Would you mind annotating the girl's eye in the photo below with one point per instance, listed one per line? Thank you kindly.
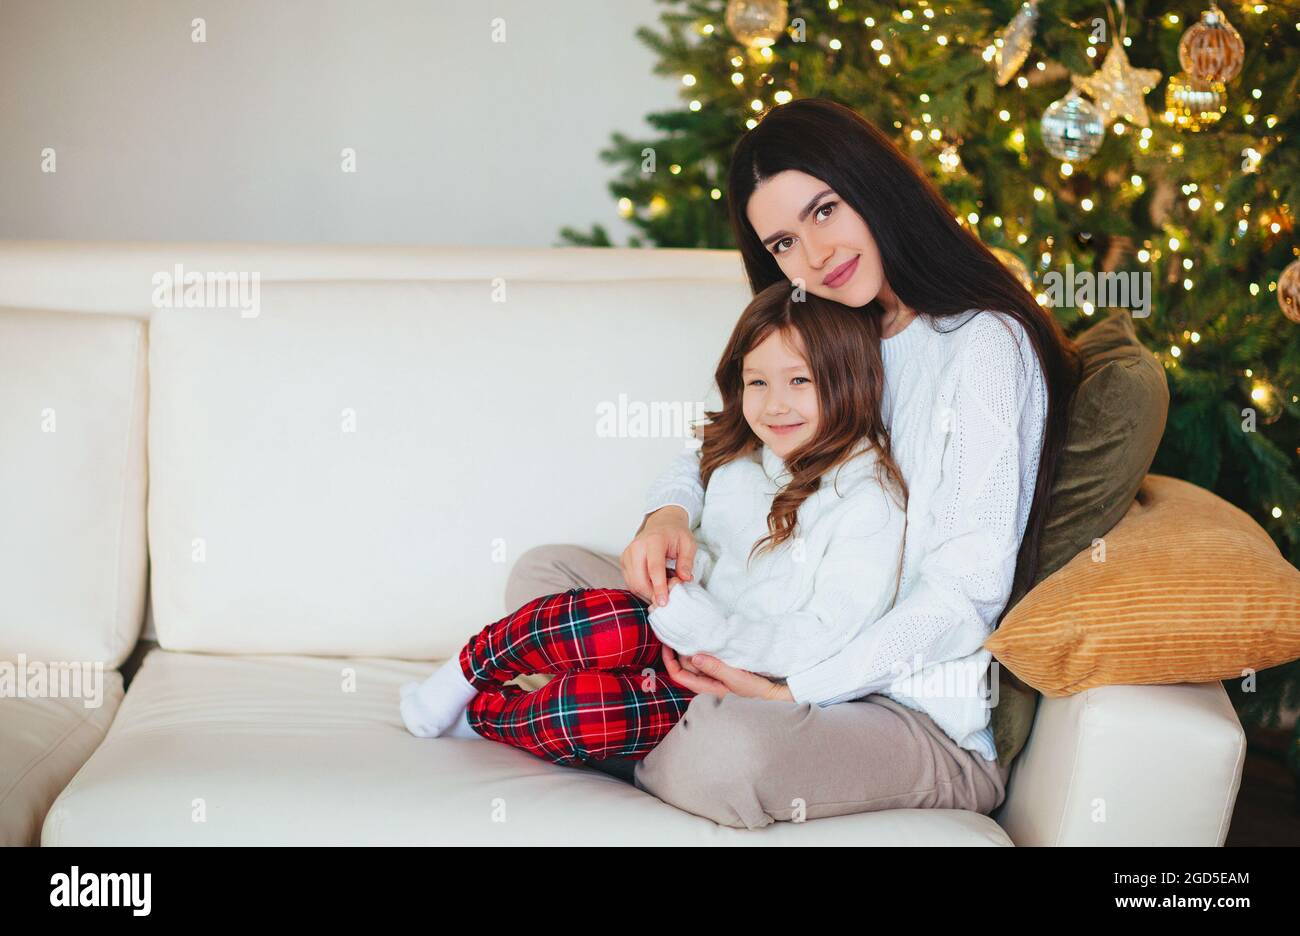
(755, 383)
(804, 379)
(776, 248)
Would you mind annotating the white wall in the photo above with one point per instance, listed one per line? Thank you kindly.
(459, 140)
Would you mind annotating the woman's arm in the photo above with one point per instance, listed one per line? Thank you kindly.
(965, 577)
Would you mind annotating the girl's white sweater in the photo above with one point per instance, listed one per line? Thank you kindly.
(802, 602)
(967, 408)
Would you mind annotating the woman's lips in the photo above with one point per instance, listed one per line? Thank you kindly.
(840, 275)
(785, 430)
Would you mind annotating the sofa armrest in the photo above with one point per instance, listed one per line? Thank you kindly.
(1128, 765)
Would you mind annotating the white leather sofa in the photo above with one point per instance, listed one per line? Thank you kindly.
(336, 489)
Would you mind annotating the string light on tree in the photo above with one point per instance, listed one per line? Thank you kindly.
(950, 159)
(1266, 400)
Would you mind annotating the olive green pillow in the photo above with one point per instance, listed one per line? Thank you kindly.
(1116, 422)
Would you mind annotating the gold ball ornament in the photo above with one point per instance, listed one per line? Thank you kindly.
(1194, 102)
(757, 23)
(1015, 265)
(1288, 291)
(1212, 49)
(1118, 87)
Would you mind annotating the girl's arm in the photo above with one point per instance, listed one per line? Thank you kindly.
(680, 485)
(855, 583)
(965, 577)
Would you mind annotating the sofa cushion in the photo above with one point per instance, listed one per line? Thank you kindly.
(1116, 422)
(43, 743)
(271, 750)
(73, 553)
(1188, 589)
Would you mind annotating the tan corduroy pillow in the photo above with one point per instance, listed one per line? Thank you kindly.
(1191, 590)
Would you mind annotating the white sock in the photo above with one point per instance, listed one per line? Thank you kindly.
(431, 707)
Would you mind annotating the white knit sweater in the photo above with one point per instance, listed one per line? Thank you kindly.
(798, 604)
(967, 408)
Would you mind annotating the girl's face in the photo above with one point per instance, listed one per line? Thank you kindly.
(813, 233)
(780, 399)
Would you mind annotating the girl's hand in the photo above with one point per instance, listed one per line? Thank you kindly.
(664, 535)
(711, 675)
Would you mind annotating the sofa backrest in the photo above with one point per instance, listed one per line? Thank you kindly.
(354, 469)
(73, 479)
(118, 276)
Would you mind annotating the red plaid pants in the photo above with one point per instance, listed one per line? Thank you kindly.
(610, 697)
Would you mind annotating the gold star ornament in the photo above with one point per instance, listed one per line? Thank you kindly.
(1118, 87)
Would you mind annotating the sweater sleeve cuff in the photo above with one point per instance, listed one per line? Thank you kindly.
(676, 623)
(832, 681)
(689, 621)
(684, 498)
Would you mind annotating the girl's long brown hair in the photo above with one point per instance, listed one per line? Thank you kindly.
(934, 265)
(842, 349)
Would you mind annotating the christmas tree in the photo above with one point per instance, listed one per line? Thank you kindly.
(1071, 135)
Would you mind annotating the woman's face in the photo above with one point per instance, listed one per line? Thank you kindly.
(779, 398)
(812, 233)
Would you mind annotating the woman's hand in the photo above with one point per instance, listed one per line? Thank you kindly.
(709, 674)
(683, 661)
(664, 535)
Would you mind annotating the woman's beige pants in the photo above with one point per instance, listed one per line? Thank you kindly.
(749, 762)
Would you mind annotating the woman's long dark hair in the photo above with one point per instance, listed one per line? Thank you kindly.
(933, 265)
(842, 351)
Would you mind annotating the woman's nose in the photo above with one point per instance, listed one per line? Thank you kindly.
(816, 254)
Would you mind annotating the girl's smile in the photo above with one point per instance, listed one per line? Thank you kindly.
(779, 400)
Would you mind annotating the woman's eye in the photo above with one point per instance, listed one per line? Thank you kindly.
(755, 383)
(805, 379)
(776, 248)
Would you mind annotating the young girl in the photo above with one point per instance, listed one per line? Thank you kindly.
(799, 549)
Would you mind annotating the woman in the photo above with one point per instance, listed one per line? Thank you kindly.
(979, 381)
